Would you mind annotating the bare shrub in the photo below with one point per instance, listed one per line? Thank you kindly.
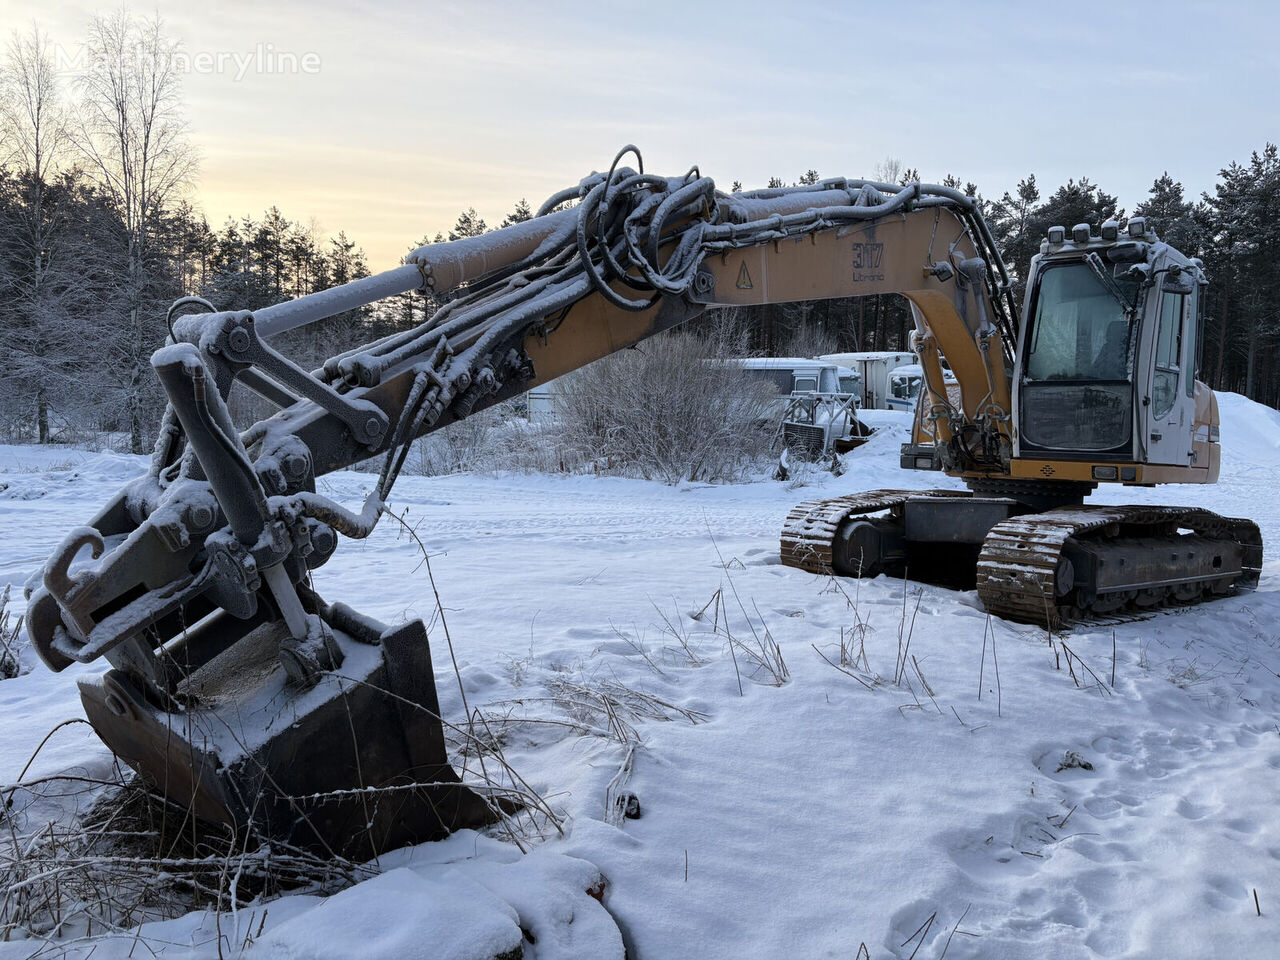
(669, 410)
(500, 438)
(133, 857)
(10, 639)
(458, 448)
(811, 339)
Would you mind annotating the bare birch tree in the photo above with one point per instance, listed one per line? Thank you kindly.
(34, 132)
(133, 137)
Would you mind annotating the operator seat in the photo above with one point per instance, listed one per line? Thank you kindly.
(1111, 360)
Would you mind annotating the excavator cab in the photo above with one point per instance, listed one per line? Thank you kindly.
(1075, 391)
(1107, 359)
(1103, 390)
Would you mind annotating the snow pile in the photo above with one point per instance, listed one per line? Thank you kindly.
(928, 781)
(399, 914)
(1250, 436)
(472, 898)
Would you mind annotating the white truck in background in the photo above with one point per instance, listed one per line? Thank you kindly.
(818, 402)
(904, 387)
(874, 368)
(803, 375)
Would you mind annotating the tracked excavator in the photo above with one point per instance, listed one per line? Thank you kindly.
(1094, 384)
(242, 694)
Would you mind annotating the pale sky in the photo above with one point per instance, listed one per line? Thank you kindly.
(409, 112)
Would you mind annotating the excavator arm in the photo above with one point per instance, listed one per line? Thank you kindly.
(639, 254)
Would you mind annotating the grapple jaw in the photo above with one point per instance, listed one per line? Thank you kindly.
(235, 690)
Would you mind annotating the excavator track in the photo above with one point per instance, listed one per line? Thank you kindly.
(1024, 571)
(810, 528)
(1021, 560)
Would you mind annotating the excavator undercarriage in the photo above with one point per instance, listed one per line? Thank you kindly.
(1028, 564)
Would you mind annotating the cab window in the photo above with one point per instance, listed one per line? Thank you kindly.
(1164, 386)
(806, 384)
(1193, 338)
(1079, 330)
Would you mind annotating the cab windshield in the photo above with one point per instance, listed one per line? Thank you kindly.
(905, 388)
(1080, 330)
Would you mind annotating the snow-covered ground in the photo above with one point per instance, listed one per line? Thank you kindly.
(795, 820)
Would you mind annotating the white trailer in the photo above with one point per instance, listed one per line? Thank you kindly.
(874, 367)
(542, 400)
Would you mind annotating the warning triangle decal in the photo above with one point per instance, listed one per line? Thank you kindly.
(744, 278)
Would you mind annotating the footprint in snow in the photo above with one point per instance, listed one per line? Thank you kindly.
(1243, 825)
(1102, 808)
(1225, 894)
(919, 929)
(586, 633)
(1190, 810)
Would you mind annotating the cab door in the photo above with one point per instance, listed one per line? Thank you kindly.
(1169, 397)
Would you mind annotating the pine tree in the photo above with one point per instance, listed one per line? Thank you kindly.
(1011, 225)
(469, 224)
(519, 215)
(1244, 257)
(269, 242)
(1173, 218)
(1075, 202)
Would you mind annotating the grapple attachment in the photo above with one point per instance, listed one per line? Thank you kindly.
(235, 689)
